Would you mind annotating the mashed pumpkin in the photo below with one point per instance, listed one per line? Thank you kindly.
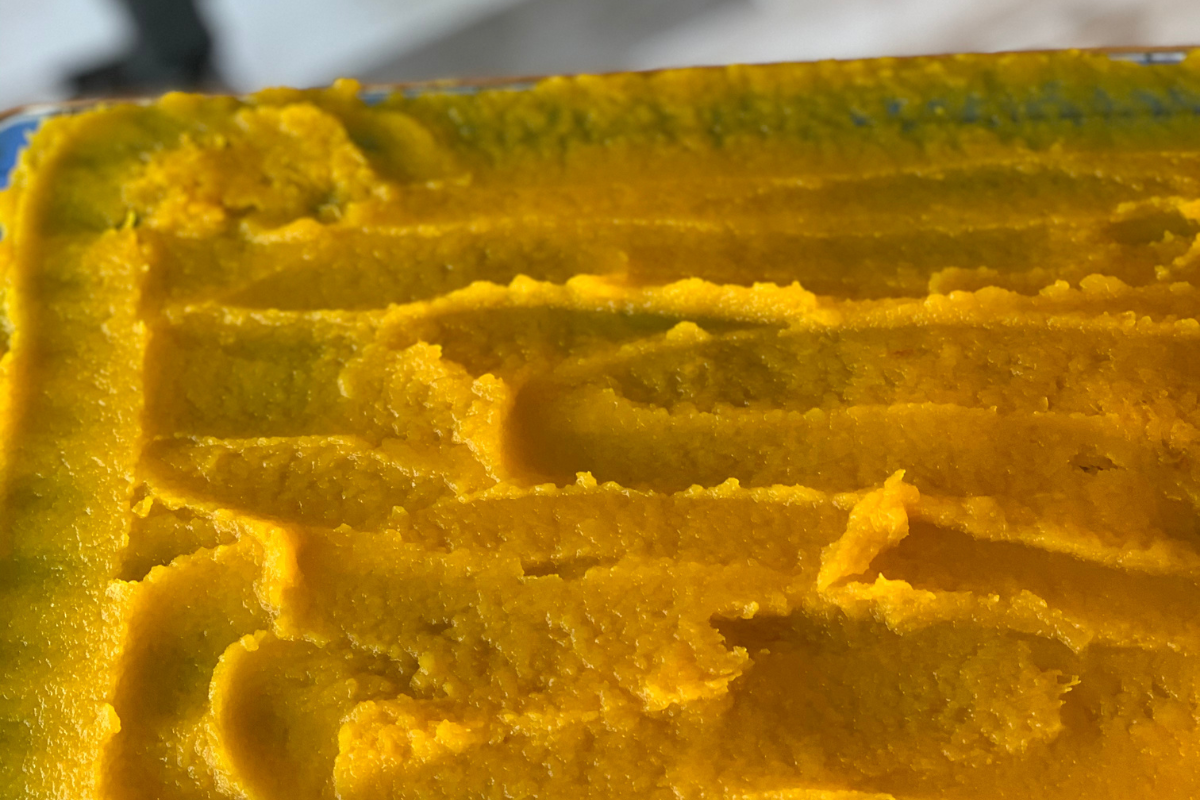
(805, 431)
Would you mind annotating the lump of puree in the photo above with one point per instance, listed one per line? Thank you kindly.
(802, 431)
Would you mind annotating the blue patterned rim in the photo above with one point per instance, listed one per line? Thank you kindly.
(14, 135)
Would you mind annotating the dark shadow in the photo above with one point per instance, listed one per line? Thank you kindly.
(173, 50)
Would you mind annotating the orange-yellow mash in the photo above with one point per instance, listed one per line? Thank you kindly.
(804, 431)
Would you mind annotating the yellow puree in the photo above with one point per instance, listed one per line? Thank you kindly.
(806, 431)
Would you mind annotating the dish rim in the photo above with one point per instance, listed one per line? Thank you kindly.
(18, 122)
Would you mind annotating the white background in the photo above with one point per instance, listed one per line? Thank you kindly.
(310, 42)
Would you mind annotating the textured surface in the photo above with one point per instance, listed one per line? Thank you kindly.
(801, 431)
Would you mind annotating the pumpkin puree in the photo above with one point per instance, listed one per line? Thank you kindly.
(802, 431)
